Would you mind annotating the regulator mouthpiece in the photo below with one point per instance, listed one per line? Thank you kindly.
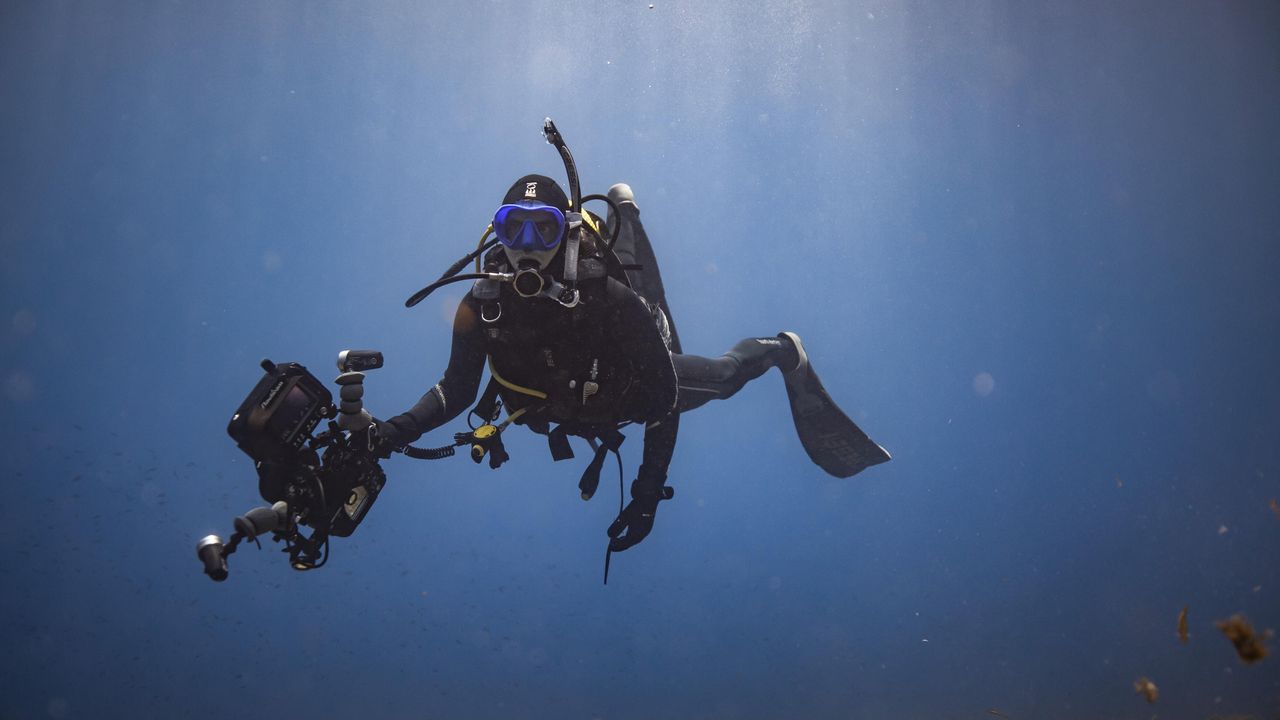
(529, 283)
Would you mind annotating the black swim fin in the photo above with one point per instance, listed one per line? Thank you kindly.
(833, 441)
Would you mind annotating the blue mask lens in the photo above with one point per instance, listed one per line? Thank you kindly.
(529, 227)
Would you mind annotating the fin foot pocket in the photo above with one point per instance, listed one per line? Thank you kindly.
(621, 193)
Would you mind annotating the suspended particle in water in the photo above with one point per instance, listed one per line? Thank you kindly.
(1147, 689)
(57, 708)
(271, 261)
(19, 386)
(1250, 646)
(1164, 388)
(24, 322)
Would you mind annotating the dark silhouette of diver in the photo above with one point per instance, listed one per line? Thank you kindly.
(578, 338)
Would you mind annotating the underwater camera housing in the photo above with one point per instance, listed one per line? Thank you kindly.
(326, 482)
(277, 418)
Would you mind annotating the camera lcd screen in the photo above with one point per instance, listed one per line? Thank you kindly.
(295, 407)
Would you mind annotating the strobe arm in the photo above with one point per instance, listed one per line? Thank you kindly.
(213, 552)
(262, 520)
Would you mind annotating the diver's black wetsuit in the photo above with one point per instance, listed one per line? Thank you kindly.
(541, 346)
(611, 340)
(600, 363)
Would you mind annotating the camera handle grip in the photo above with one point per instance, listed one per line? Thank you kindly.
(351, 413)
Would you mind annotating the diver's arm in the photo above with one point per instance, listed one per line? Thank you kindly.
(652, 396)
(651, 399)
(456, 391)
(659, 446)
(635, 522)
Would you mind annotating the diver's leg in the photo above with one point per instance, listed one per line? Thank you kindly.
(636, 253)
(702, 379)
(829, 437)
(630, 230)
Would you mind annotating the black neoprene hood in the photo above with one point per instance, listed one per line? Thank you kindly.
(540, 188)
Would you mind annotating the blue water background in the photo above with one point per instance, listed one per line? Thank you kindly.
(1032, 248)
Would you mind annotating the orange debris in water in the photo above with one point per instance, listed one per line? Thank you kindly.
(1250, 646)
(1147, 689)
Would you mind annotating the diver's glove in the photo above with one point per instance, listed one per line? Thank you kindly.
(637, 518)
(355, 422)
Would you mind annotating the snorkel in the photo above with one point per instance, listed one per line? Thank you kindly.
(554, 137)
(530, 281)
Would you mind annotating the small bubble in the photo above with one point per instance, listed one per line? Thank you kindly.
(19, 386)
(983, 384)
(1222, 529)
(24, 322)
(448, 309)
(271, 261)
(150, 494)
(1164, 387)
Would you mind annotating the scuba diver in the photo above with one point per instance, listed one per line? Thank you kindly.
(570, 316)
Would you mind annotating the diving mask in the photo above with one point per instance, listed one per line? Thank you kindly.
(529, 226)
